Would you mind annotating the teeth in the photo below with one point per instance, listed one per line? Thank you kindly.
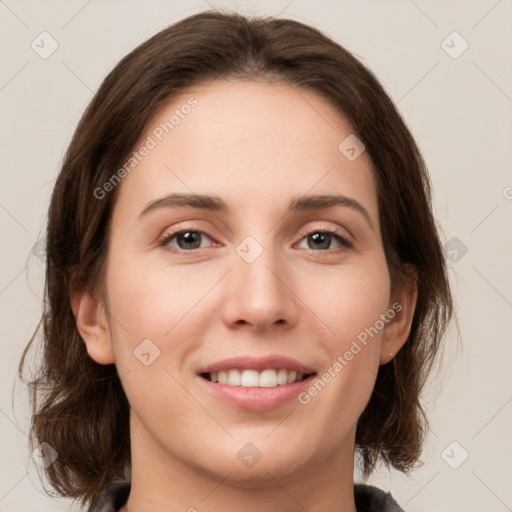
(253, 379)
(248, 379)
(234, 378)
(268, 379)
(282, 377)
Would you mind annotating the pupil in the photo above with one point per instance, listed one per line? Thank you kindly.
(321, 237)
(188, 238)
(319, 240)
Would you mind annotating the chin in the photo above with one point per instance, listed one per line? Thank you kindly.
(252, 464)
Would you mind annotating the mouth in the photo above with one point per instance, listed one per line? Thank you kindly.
(256, 384)
(249, 378)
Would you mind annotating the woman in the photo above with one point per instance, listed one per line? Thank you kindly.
(244, 281)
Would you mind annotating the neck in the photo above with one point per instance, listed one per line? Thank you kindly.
(161, 482)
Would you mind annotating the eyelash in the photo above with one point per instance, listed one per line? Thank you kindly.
(164, 241)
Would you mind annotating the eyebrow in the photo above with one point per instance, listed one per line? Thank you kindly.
(216, 204)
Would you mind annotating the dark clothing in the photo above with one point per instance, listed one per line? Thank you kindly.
(368, 499)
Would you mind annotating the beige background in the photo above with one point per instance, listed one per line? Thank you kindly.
(459, 109)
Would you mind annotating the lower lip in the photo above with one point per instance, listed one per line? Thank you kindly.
(256, 399)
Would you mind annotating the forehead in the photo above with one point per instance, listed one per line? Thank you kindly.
(250, 142)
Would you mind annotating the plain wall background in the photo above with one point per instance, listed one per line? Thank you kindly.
(460, 111)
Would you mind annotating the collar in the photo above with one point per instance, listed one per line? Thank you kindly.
(367, 498)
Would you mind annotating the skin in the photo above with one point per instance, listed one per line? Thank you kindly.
(256, 145)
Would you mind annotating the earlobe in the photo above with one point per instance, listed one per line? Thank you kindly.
(92, 325)
(403, 304)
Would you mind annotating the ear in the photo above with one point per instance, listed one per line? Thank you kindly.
(403, 303)
(91, 322)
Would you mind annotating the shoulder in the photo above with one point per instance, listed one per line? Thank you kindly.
(367, 498)
(372, 499)
(112, 498)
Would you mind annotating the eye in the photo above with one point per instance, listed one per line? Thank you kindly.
(186, 239)
(321, 239)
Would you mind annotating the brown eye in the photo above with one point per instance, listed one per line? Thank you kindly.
(322, 239)
(186, 240)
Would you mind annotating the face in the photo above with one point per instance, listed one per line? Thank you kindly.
(247, 328)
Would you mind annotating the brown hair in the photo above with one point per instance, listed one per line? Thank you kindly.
(79, 406)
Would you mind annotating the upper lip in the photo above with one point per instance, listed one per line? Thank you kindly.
(257, 363)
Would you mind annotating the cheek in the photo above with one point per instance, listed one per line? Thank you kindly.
(150, 301)
(347, 299)
(152, 311)
(155, 323)
(350, 303)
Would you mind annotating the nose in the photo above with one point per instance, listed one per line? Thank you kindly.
(259, 294)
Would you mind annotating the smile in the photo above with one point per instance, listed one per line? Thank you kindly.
(269, 378)
(256, 383)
